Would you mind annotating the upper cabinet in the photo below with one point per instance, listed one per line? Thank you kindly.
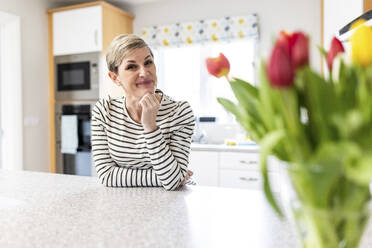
(77, 31)
(87, 27)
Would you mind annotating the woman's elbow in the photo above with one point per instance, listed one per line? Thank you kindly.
(104, 181)
(172, 186)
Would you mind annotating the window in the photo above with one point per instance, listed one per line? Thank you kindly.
(183, 76)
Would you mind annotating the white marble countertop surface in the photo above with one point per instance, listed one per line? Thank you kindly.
(51, 210)
(224, 148)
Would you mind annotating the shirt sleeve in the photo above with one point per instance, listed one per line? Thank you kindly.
(109, 173)
(170, 159)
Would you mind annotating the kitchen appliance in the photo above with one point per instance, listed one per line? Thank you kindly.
(77, 161)
(77, 76)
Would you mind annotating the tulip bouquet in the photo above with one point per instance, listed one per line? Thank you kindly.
(320, 126)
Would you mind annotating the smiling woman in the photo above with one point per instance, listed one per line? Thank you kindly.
(141, 139)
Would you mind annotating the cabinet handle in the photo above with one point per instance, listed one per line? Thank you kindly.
(96, 37)
(249, 179)
(249, 162)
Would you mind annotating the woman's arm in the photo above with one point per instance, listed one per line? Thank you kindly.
(170, 160)
(109, 173)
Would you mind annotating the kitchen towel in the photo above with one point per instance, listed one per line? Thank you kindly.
(69, 134)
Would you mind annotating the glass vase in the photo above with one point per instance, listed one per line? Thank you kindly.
(329, 209)
(329, 228)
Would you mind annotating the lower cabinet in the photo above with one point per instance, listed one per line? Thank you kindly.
(205, 167)
(232, 170)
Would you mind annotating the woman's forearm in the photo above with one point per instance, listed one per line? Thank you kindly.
(169, 170)
(114, 176)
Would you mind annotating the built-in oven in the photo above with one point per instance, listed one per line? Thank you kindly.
(77, 76)
(73, 138)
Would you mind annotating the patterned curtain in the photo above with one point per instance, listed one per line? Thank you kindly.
(214, 30)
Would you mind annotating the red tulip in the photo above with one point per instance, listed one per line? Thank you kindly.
(284, 39)
(280, 68)
(218, 66)
(298, 45)
(336, 48)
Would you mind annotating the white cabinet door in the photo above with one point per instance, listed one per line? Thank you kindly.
(205, 167)
(77, 31)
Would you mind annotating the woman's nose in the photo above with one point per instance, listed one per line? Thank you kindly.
(142, 71)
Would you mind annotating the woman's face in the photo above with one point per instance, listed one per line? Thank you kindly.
(137, 73)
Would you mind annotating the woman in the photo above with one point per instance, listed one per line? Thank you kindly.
(141, 139)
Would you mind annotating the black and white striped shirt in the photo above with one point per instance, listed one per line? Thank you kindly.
(126, 156)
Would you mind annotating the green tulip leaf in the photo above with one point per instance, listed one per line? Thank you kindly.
(267, 145)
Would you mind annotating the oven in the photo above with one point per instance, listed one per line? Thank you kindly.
(77, 76)
(73, 138)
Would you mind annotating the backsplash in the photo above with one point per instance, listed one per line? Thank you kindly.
(216, 133)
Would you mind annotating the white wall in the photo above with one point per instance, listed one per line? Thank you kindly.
(34, 60)
(274, 15)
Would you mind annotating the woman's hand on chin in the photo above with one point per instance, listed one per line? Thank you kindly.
(150, 106)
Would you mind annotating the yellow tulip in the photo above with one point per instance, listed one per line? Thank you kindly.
(361, 43)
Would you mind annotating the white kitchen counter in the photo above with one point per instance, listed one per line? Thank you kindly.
(224, 148)
(51, 210)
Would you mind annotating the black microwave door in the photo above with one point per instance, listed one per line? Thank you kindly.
(73, 76)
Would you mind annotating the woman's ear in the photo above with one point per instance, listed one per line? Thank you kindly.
(115, 79)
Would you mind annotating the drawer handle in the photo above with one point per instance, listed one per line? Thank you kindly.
(249, 162)
(249, 179)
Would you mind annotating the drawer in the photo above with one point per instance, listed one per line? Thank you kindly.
(244, 161)
(239, 161)
(244, 179)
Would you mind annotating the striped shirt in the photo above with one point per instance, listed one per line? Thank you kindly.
(126, 156)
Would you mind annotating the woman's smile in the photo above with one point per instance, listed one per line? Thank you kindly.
(145, 83)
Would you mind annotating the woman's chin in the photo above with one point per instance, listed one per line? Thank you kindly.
(147, 90)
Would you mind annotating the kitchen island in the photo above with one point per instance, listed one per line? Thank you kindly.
(52, 210)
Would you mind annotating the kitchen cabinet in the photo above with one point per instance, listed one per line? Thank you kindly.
(88, 27)
(335, 14)
(77, 31)
(205, 167)
(232, 169)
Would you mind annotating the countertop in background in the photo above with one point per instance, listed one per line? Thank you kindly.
(224, 148)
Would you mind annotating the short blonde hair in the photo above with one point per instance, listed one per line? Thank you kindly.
(120, 46)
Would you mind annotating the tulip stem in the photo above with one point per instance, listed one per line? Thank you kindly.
(227, 78)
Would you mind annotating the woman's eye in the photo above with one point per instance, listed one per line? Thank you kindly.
(149, 62)
(131, 67)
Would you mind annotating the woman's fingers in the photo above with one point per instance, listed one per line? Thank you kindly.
(154, 101)
(187, 177)
(150, 100)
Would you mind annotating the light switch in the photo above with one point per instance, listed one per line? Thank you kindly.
(31, 121)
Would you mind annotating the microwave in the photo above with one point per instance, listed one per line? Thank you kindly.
(77, 76)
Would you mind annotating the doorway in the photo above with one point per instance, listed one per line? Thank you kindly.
(11, 114)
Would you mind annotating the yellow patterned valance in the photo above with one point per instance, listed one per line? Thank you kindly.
(214, 30)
